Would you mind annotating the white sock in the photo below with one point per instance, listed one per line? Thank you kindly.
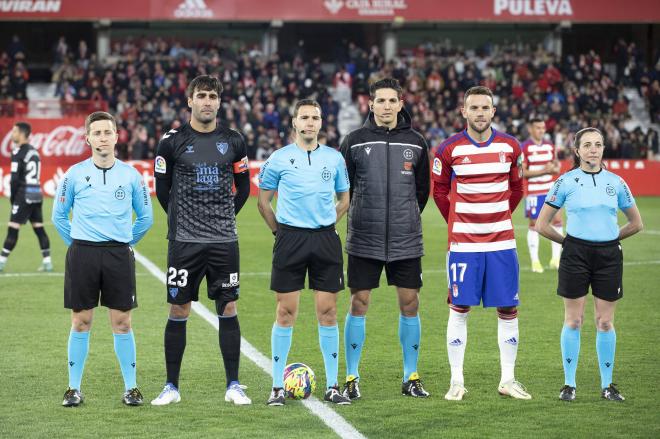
(47, 260)
(507, 339)
(533, 244)
(456, 341)
(556, 247)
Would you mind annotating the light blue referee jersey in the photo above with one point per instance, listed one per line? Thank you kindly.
(591, 200)
(103, 201)
(306, 182)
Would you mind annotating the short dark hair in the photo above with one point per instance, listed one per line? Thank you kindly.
(304, 102)
(24, 128)
(206, 83)
(534, 118)
(478, 90)
(99, 115)
(385, 83)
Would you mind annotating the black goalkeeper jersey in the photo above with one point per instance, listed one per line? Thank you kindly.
(25, 186)
(201, 167)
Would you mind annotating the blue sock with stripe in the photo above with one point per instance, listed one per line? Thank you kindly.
(354, 336)
(410, 330)
(125, 351)
(570, 352)
(77, 354)
(329, 342)
(280, 343)
(605, 348)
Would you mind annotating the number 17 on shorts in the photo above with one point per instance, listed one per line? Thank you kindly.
(488, 277)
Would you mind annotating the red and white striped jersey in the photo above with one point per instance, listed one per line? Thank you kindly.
(536, 157)
(483, 183)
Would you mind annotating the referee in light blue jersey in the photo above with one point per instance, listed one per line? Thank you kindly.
(307, 176)
(591, 255)
(103, 192)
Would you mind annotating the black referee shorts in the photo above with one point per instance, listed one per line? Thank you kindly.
(364, 273)
(99, 269)
(595, 264)
(297, 251)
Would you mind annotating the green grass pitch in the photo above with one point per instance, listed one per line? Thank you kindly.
(34, 330)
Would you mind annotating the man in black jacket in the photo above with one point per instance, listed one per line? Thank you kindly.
(388, 167)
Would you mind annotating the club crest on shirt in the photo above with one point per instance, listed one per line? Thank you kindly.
(222, 147)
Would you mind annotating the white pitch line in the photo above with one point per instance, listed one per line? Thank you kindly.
(332, 419)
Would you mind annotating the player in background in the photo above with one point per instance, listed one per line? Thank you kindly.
(25, 196)
(540, 168)
(307, 176)
(477, 184)
(388, 166)
(103, 193)
(592, 254)
(196, 167)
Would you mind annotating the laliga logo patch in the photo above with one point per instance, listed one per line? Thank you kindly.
(325, 174)
(174, 292)
(160, 165)
(120, 194)
(454, 290)
(502, 157)
(222, 147)
(437, 166)
(408, 154)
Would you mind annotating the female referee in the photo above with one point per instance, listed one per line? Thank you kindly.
(591, 253)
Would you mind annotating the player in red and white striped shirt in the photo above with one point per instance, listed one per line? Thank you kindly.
(477, 183)
(541, 169)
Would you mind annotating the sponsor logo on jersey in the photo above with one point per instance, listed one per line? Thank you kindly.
(408, 154)
(437, 166)
(160, 165)
(466, 161)
(208, 176)
(222, 147)
(367, 149)
(190, 149)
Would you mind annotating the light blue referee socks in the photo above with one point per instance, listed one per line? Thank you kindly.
(329, 342)
(410, 330)
(605, 347)
(570, 352)
(280, 343)
(77, 353)
(125, 351)
(354, 336)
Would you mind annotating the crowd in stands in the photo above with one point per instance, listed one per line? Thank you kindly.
(14, 74)
(144, 81)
